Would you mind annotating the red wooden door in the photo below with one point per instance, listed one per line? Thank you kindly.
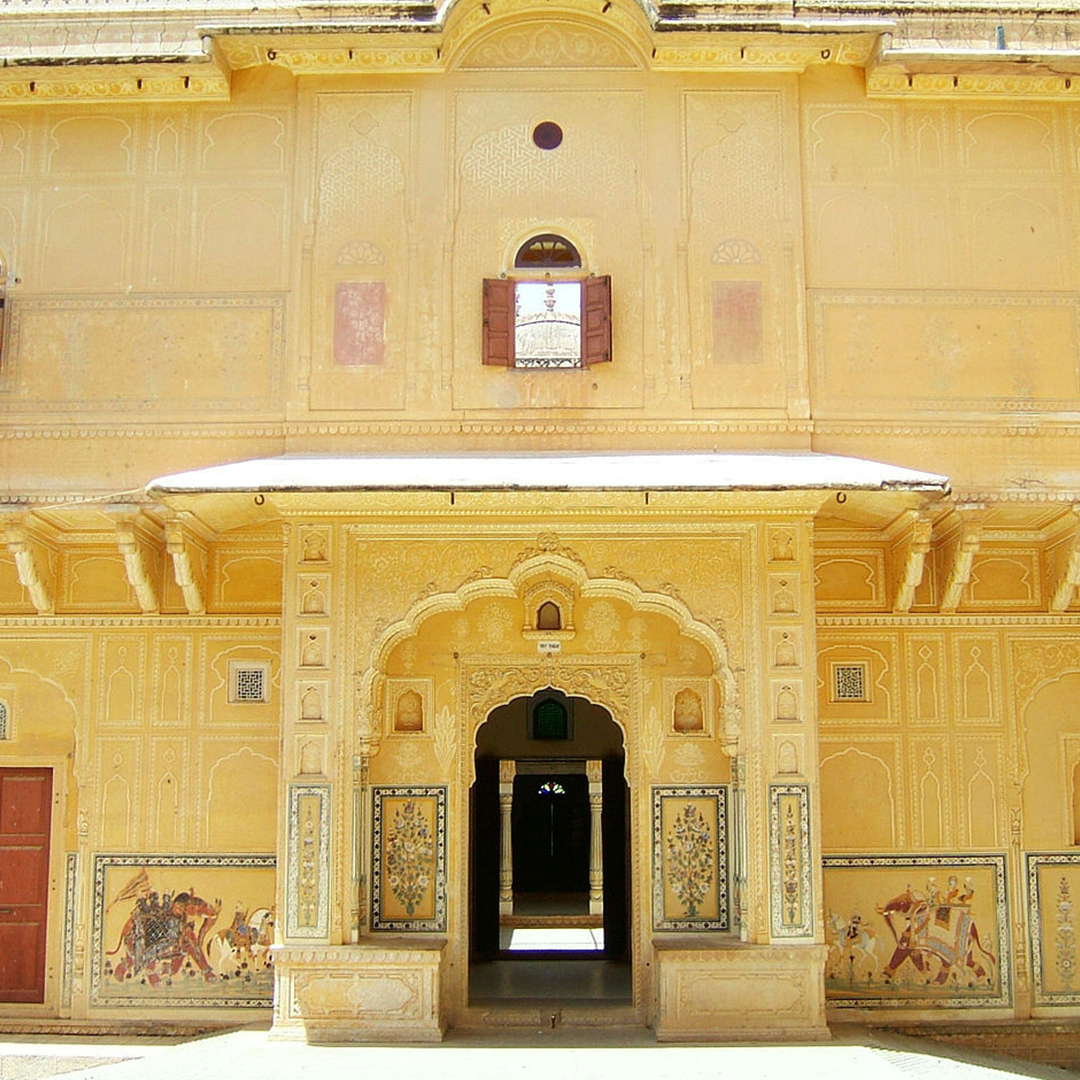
(25, 801)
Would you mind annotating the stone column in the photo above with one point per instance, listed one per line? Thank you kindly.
(507, 771)
(595, 772)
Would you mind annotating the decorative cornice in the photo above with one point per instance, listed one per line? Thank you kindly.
(908, 622)
(745, 52)
(497, 430)
(57, 49)
(188, 622)
(334, 59)
(1041, 424)
(1019, 495)
(113, 82)
(1044, 85)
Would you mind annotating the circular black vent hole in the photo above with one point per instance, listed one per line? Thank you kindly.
(547, 135)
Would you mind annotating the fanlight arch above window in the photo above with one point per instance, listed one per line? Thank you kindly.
(548, 251)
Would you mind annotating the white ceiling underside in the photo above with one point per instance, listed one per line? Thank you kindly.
(791, 471)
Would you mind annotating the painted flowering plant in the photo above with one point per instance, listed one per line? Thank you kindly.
(409, 852)
(690, 858)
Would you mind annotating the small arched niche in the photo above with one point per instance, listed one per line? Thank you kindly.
(549, 609)
(548, 616)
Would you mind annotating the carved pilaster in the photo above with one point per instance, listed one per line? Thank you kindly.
(361, 788)
(595, 772)
(507, 771)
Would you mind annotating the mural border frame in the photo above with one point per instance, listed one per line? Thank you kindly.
(997, 862)
(318, 854)
(720, 793)
(1033, 860)
(102, 861)
(71, 877)
(438, 922)
(804, 927)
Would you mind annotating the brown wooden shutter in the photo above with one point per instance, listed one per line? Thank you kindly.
(499, 322)
(595, 321)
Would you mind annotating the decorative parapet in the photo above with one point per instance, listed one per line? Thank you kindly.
(187, 49)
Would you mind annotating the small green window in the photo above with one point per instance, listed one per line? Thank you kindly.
(550, 720)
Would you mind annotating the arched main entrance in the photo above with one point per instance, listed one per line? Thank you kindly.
(549, 895)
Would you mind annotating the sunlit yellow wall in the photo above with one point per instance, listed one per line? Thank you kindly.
(914, 259)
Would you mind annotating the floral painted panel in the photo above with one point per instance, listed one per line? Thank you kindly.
(183, 930)
(916, 931)
(359, 322)
(790, 876)
(307, 888)
(690, 877)
(409, 878)
(1053, 892)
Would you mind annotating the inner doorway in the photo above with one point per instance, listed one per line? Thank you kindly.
(550, 826)
(25, 820)
(551, 921)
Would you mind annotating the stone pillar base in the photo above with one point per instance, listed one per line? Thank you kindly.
(379, 989)
(727, 991)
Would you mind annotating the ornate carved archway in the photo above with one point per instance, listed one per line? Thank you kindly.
(603, 679)
(608, 681)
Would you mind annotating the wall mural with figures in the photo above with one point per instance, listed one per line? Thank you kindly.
(906, 930)
(183, 930)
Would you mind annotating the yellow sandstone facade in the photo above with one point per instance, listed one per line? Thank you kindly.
(261, 726)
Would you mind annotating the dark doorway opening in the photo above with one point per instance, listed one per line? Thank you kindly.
(536, 950)
(551, 839)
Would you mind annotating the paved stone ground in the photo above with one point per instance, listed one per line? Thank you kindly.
(567, 1054)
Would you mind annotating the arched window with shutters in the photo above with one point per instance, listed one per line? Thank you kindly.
(544, 312)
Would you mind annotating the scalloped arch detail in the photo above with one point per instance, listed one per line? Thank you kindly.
(534, 568)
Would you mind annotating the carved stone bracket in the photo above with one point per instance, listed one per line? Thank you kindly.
(135, 565)
(177, 547)
(918, 546)
(963, 559)
(29, 570)
(1069, 577)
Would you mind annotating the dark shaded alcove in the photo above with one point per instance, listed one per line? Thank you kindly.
(508, 734)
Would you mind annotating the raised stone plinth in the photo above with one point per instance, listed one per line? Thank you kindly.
(713, 990)
(386, 989)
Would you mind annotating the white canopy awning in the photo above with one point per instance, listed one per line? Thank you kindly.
(785, 471)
